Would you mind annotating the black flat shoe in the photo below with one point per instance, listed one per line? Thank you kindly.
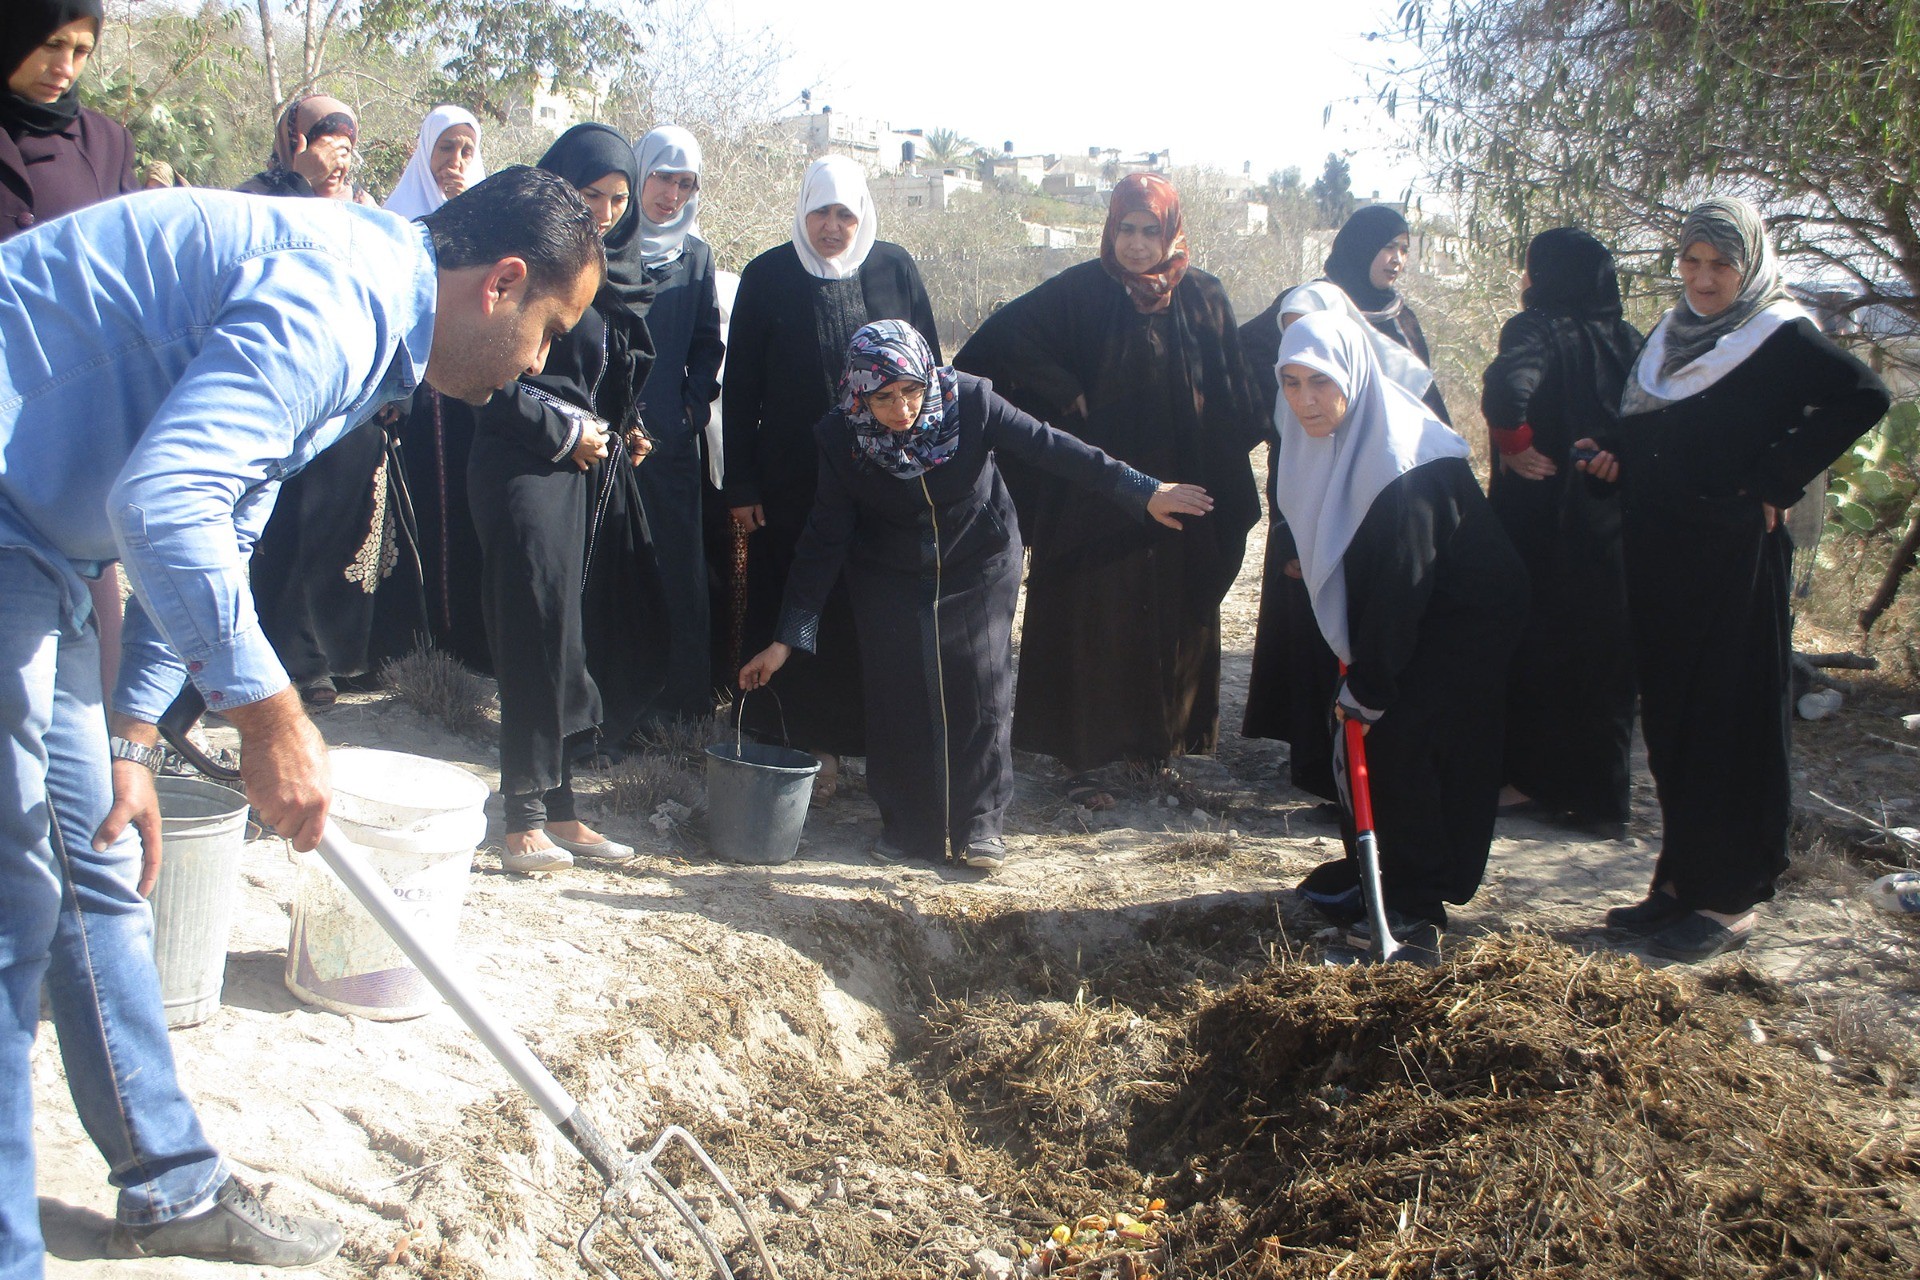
(1649, 915)
(1695, 937)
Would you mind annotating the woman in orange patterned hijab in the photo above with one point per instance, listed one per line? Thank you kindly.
(1143, 246)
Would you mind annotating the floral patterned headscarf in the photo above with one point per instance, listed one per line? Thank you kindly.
(893, 351)
(1152, 290)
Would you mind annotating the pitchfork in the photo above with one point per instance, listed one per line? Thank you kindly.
(627, 1177)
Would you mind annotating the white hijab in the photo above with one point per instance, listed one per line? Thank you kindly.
(417, 193)
(1396, 361)
(1326, 487)
(835, 180)
(668, 149)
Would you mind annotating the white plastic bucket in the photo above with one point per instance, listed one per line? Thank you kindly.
(203, 828)
(417, 823)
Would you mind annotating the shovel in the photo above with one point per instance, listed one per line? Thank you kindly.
(1366, 848)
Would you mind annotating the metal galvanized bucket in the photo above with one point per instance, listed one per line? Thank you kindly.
(757, 797)
(203, 828)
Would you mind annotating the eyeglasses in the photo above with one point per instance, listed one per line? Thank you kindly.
(682, 183)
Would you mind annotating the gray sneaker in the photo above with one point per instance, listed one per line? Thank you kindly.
(237, 1229)
(985, 855)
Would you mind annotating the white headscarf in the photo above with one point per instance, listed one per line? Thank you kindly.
(1396, 361)
(417, 193)
(668, 149)
(835, 180)
(1326, 487)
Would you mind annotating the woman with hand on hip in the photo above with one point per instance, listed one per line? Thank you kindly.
(1735, 404)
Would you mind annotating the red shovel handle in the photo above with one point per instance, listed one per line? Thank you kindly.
(1357, 773)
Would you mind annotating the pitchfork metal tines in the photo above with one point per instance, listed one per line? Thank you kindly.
(632, 1205)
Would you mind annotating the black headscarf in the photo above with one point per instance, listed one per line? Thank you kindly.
(583, 155)
(1572, 274)
(32, 22)
(1359, 242)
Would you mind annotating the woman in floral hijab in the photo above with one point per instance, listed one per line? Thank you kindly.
(911, 507)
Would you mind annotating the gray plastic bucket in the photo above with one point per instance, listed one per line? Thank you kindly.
(203, 828)
(757, 798)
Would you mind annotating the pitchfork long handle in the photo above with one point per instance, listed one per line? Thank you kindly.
(501, 1040)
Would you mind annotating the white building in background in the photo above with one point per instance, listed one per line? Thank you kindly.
(558, 111)
(875, 143)
(920, 187)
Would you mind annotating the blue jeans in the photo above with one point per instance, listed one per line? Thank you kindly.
(74, 919)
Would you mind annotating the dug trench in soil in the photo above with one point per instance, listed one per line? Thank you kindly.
(1526, 1110)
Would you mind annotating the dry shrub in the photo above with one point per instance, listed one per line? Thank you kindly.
(1062, 1076)
(641, 784)
(440, 687)
(1521, 1111)
(1197, 846)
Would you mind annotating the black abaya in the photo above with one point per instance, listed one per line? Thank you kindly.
(1707, 592)
(933, 566)
(1120, 649)
(1435, 598)
(1570, 696)
(676, 404)
(436, 441)
(786, 344)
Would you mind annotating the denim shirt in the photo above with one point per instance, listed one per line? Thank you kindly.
(166, 360)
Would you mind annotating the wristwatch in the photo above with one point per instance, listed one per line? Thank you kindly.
(125, 749)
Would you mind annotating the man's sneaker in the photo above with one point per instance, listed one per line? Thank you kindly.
(237, 1229)
(1419, 939)
(985, 855)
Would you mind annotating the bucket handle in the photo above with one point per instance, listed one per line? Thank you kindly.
(740, 715)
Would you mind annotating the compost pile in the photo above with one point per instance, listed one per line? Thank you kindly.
(1522, 1111)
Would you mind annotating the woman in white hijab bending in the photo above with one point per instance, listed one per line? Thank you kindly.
(1419, 593)
(445, 161)
(798, 307)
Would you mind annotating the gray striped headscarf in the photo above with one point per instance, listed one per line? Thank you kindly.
(1734, 229)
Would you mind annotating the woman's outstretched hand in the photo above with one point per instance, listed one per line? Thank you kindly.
(1171, 501)
(761, 667)
(1601, 466)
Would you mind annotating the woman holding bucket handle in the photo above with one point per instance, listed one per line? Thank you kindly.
(677, 404)
(1136, 353)
(1418, 592)
(1563, 361)
(531, 485)
(911, 504)
(1736, 402)
(799, 305)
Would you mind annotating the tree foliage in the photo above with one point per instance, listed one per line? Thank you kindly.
(1332, 191)
(1622, 113)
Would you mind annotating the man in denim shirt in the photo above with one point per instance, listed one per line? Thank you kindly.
(165, 360)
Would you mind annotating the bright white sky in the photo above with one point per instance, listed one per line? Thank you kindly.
(1217, 82)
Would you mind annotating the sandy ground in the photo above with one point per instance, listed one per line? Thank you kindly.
(777, 1011)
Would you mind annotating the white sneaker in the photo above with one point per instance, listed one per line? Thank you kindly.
(552, 858)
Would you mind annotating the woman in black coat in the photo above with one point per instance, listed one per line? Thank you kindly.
(1557, 379)
(910, 502)
(1736, 402)
(799, 305)
(540, 481)
(1417, 590)
(676, 405)
(1138, 354)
